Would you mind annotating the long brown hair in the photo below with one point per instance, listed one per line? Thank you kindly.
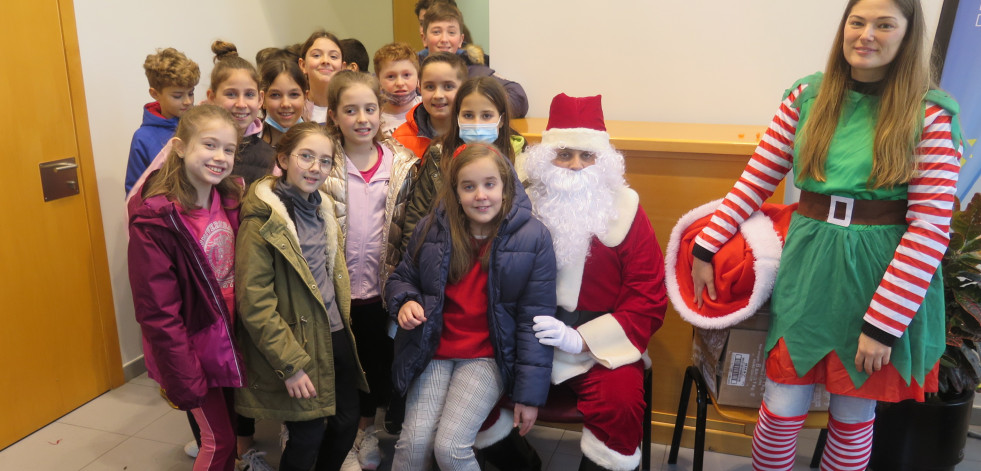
(491, 89)
(462, 250)
(907, 80)
(172, 182)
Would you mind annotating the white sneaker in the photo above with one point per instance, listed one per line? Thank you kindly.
(253, 460)
(369, 455)
(191, 449)
(351, 461)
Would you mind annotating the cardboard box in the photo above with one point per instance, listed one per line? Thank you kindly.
(733, 362)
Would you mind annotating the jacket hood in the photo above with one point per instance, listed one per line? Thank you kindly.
(418, 121)
(152, 116)
(153, 210)
(261, 203)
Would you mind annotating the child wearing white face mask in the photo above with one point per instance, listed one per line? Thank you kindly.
(482, 115)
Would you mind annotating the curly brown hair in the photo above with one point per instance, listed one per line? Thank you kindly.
(170, 68)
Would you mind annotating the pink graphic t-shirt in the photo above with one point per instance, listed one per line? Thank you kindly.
(214, 234)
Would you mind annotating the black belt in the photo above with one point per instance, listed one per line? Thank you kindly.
(577, 317)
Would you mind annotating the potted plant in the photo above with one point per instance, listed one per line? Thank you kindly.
(931, 435)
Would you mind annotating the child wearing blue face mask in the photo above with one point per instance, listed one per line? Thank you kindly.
(284, 86)
(483, 115)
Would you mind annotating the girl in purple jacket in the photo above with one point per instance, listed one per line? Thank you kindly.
(182, 225)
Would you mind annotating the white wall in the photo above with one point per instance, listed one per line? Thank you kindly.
(705, 61)
(698, 61)
(116, 35)
(475, 14)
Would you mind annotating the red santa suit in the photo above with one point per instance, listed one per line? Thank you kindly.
(618, 291)
(623, 277)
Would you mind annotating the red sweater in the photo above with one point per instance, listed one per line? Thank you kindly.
(465, 330)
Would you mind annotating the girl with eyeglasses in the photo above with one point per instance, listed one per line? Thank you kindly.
(294, 299)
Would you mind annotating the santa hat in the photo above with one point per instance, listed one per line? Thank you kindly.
(576, 123)
(745, 266)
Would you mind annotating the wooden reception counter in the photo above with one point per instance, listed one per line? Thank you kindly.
(676, 167)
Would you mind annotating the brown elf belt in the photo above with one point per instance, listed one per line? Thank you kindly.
(845, 211)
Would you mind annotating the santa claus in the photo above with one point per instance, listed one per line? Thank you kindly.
(610, 285)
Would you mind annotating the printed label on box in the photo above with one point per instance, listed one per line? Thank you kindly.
(738, 369)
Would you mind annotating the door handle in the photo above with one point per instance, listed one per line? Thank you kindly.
(59, 178)
(64, 166)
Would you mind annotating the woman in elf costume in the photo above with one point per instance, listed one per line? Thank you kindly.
(858, 302)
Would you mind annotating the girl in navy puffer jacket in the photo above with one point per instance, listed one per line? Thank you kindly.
(475, 273)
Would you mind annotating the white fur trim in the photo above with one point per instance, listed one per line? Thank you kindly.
(626, 204)
(567, 365)
(263, 190)
(608, 342)
(577, 138)
(520, 162)
(569, 281)
(602, 455)
(761, 238)
(496, 432)
(646, 356)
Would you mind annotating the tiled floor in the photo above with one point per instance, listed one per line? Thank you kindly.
(132, 429)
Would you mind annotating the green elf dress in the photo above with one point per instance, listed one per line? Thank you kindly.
(829, 273)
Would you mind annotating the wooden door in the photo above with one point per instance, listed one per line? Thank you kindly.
(405, 23)
(58, 341)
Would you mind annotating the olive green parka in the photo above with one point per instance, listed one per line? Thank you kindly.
(282, 325)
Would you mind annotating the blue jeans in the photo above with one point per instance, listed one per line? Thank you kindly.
(792, 400)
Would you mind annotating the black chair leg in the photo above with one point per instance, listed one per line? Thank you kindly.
(701, 399)
(819, 448)
(645, 446)
(679, 423)
(692, 376)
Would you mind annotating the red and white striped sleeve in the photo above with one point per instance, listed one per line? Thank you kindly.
(931, 201)
(769, 164)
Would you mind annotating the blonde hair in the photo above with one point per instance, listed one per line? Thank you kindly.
(907, 80)
(172, 181)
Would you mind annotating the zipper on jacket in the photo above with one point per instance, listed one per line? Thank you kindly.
(219, 301)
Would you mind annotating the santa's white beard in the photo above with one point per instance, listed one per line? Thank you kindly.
(574, 205)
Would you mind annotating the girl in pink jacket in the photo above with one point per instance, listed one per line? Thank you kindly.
(182, 225)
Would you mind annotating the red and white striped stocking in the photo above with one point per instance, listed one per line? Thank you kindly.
(848, 447)
(775, 441)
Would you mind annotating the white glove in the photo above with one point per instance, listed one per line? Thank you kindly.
(551, 331)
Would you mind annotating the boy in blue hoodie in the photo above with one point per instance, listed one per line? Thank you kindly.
(172, 78)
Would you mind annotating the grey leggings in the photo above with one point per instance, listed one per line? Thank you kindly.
(445, 408)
